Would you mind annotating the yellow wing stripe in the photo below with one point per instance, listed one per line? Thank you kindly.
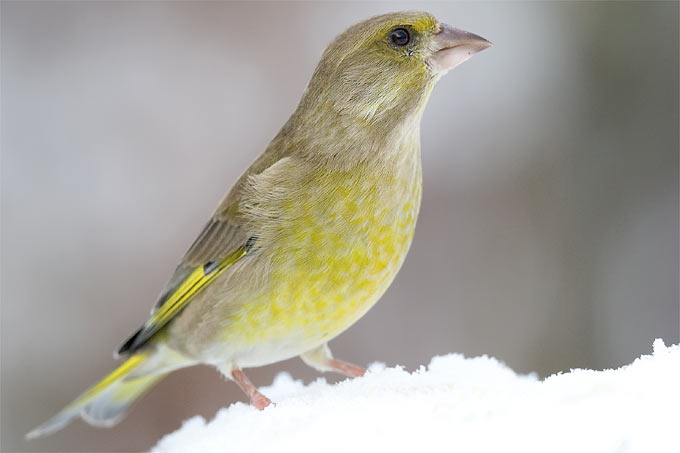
(190, 287)
(116, 374)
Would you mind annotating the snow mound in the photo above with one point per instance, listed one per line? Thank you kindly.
(456, 404)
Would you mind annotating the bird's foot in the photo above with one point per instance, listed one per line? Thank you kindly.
(257, 399)
(345, 368)
(321, 359)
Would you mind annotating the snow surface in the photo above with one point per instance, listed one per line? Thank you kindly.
(456, 404)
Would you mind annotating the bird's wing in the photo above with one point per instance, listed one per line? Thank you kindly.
(185, 284)
(222, 242)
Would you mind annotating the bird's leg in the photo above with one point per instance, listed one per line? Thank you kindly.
(322, 360)
(346, 368)
(257, 399)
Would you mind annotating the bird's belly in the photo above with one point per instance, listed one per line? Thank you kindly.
(334, 256)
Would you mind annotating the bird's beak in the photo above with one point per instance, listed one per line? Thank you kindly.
(452, 46)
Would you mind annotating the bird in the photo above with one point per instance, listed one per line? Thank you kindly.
(311, 235)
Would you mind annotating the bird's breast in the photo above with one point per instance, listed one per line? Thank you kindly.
(341, 238)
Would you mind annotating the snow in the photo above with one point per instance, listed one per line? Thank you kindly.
(456, 404)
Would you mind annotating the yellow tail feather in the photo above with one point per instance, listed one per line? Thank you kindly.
(105, 403)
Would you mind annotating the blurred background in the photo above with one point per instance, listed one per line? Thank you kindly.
(548, 235)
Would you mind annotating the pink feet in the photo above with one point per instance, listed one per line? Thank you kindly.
(257, 399)
(260, 401)
(345, 368)
(320, 358)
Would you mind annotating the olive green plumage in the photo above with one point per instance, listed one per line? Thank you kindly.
(312, 234)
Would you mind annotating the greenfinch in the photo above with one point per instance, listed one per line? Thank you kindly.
(311, 235)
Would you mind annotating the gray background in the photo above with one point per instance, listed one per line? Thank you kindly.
(548, 235)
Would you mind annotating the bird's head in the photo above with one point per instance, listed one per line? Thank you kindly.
(383, 69)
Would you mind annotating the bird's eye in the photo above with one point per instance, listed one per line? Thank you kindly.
(400, 37)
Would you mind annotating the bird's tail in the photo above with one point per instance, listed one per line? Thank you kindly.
(105, 403)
